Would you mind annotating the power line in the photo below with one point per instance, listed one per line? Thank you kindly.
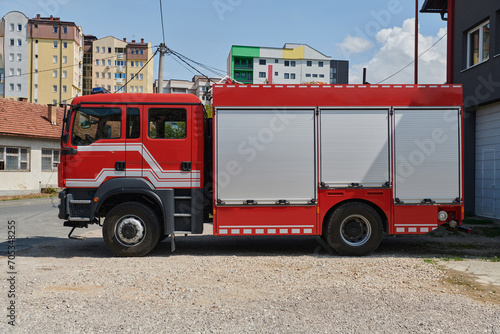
(212, 69)
(401, 70)
(135, 75)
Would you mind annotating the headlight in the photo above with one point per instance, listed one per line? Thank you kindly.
(442, 216)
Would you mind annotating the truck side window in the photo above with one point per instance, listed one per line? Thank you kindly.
(167, 123)
(133, 123)
(92, 124)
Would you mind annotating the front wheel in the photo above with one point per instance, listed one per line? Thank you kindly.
(354, 229)
(131, 229)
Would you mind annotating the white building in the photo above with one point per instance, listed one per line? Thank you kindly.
(29, 147)
(14, 55)
(198, 86)
(292, 64)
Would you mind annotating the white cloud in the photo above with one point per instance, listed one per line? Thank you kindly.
(396, 50)
(352, 45)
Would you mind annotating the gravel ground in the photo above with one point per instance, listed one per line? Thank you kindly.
(240, 285)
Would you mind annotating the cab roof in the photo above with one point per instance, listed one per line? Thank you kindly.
(137, 98)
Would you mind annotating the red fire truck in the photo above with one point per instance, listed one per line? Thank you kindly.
(344, 162)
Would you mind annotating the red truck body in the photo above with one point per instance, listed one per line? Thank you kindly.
(345, 162)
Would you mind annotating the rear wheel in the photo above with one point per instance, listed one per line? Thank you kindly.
(131, 229)
(354, 229)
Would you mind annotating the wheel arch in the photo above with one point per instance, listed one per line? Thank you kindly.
(377, 208)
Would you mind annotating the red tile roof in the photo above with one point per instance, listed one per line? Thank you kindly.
(28, 120)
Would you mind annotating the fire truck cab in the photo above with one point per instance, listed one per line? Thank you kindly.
(344, 162)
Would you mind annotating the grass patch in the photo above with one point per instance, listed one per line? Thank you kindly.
(447, 258)
(430, 261)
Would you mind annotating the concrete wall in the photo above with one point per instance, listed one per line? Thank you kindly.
(26, 182)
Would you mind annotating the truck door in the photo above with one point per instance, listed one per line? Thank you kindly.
(133, 142)
(97, 139)
(167, 146)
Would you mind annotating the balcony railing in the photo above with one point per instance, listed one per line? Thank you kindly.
(119, 55)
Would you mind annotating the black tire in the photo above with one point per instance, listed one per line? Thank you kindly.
(131, 229)
(354, 229)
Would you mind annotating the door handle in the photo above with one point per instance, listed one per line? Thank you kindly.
(186, 166)
(120, 165)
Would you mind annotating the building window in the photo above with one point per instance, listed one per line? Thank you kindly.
(103, 49)
(292, 76)
(18, 72)
(287, 63)
(54, 102)
(54, 88)
(478, 44)
(292, 63)
(19, 42)
(103, 75)
(54, 29)
(96, 49)
(140, 89)
(275, 74)
(315, 75)
(287, 75)
(54, 59)
(19, 57)
(19, 27)
(11, 72)
(262, 62)
(276, 61)
(141, 76)
(132, 64)
(320, 64)
(11, 42)
(308, 75)
(18, 87)
(11, 57)
(50, 159)
(54, 73)
(55, 44)
(11, 87)
(12, 27)
(309, 63)
(262, 74)
(109, 50)
(321, 75)
(64, 74)
(64, 88)
(103, 62)
(109, 62)
(97, 62)
(65, 45)
(109, 76)
(14, 158)
(65, 59)
(65, 30)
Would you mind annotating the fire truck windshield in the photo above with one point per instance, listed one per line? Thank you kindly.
(93, 124)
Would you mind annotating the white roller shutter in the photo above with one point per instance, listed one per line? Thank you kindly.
(354, 147)
(265, 155)
(427, 155)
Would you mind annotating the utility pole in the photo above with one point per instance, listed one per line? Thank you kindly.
(163, 50)
(416, 42)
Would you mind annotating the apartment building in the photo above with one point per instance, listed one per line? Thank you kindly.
(88, 41)
(14, 55)
(56, 60)
(118, 65)
(292, 64)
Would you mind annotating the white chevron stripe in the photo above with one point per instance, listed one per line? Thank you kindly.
(159, 177)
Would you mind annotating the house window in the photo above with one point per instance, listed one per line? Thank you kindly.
(54, 88)
(64, 74)
(132, 64)
(287, 63)
(19, 57)
(14, 158)
(97, 62)
(11, 87)
(54, 59)
(292, 63)
(140, 77)
(11, 71)
(109, 62)
(109, 50)
(308, 75)
(109, 76)
(18, 87)
(276, 61)
(65, 29)
(478, 44)
(287, 75)
(103, 75)
(11, 42)
(96, 49)
(292, 76)
(65, 45)
(262, 74)
(275, 74)
(320, 64)
(309, 63)
(55, 44)
(64, 88)
(103, 62)
(50, 159)
(18, 72)
(103, 49)
(12, 27)
(315, 75)
(19, 27)
(19, 42)
(54, 73)
(262, 62)
(11, 57)
(65, 59)
(321, 75)
(54, 29)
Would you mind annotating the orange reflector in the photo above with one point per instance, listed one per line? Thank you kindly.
(96, 199)
(317, 209)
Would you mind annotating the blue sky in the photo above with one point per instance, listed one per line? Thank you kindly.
(365, 32)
